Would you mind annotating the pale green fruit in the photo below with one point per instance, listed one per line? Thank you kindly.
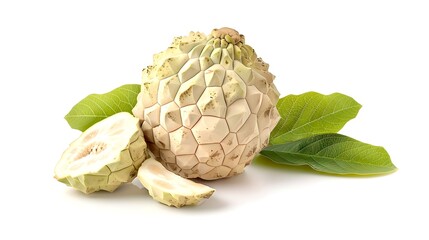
(104, 156)
(169, 188)
(208, 105)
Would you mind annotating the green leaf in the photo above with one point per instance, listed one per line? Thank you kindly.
(311, 114)
(96, 107)
(332, 153)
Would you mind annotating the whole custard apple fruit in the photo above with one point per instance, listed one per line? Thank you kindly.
(207, 105)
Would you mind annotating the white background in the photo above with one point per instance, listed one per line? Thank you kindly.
(53, 53)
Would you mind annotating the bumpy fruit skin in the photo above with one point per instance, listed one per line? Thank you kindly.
(169, 188)
(106, 155)
(207, 105)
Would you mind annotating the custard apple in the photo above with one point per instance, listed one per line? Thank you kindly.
(207, 105)
(106, 155)
(169, 188)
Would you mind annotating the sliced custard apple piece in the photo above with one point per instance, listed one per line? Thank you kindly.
(104, 156)
(169, 188)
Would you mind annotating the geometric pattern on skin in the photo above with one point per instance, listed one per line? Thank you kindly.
(224, 104)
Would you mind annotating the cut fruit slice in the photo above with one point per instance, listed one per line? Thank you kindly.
(169, 188)
(104, 156)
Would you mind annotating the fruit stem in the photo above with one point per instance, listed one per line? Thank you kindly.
(229, 34)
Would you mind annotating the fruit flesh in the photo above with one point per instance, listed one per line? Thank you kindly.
(211, 91)
(104, 156)
(169, 188)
